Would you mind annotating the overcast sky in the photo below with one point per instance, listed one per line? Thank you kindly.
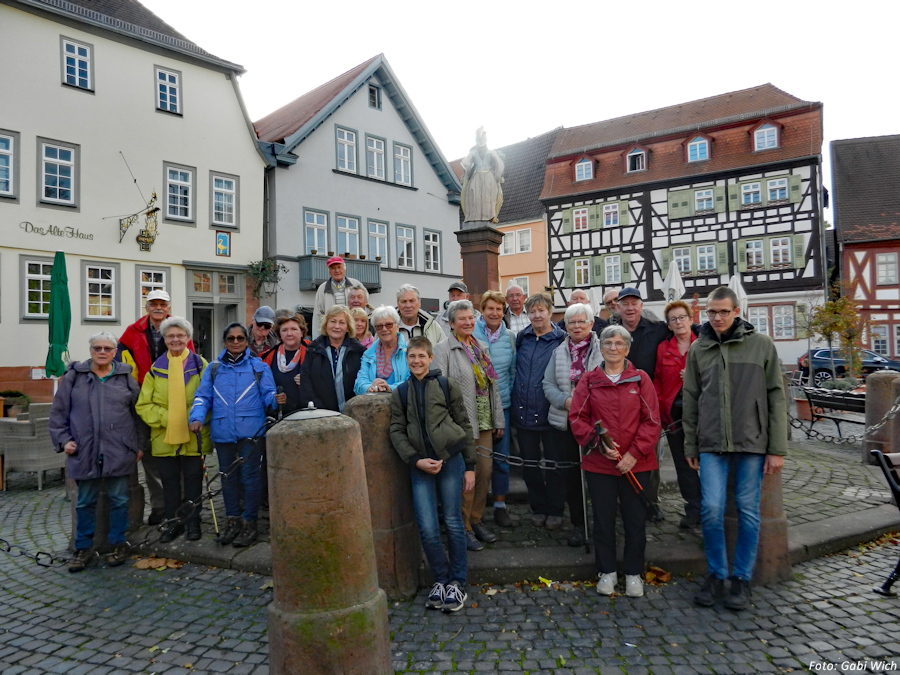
(521, 69)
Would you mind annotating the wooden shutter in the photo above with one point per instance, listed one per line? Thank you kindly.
(598, 273)
(800, 319)
(623, 213)
(625, 262)
(719, 198)
(567, 221)
(569, 273)
(722, 257)
(742, 255)
(679, 203)
(665, 261)
(798, 254)
(794, 192)
(595, 212)
(734, 197)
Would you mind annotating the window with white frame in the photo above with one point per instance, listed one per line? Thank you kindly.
(522, 282)
(584, 170)
(897, 339)
(509, 244)
(151, 280)
(227, 283)
(7, 155)
(402, 164)
(58, 174)
(755, 253)
(783, 322)
(698, 150)
(880, 339)
(780, 251)
(432, 251)
(224, 199)
(100, 287)
(765, 137)
(637, 160)
(180, 193)
(750, 194)
(703, 200)
(580, 220)
(706, 258)
(77, 70)
(610, 215)
(168, 90)
(582, 272)
(375, 158)
(374, 97)
(405, 247)
(347, 235)
(759, 317)
(37, 288)
(886, 269)
(378, 236)
(346, 150)
(613, 269)
(523, 240)
(316, 232)
(682, 258)
(778, 189)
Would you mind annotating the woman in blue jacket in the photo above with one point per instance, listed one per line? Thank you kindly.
(384, 364)
(236, 389)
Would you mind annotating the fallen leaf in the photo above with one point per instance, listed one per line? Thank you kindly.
(475, 605)
(266, 586)
(545, 581)
(492, 591)
(154, 648)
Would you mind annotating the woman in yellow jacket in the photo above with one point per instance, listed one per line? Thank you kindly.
(164, 404)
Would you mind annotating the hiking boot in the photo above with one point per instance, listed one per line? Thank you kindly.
(472, 543)
(502, 519)
(655, 516)
(739, 595)
(193, 531)
(606, 585)
(711, 591)
(689, 522)
(232, 529)
(538, 519)
(156, 516)
(247, 535)
(82, 559)
(172, 532)
(576, 539)
(553, 522)
(454, 597)
(634, 586)
(119, 554)
(436, 597)
(483, 533)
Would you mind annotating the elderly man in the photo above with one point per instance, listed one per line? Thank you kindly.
(332, 292)
(735, 422)
(515, 317)
(580, 297)
(413, 320)
(610, 310)
(140, 345)
(262, 337)
(358, 296)
(457, 291)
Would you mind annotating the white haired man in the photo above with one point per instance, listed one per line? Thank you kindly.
(413, 320)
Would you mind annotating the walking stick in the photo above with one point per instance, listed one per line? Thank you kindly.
(587, 541)
(212, 507)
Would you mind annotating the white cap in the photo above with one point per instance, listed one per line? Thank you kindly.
(158, 295)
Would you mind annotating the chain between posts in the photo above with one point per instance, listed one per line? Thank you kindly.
(846, 440)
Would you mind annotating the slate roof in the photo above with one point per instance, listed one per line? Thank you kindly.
(130, 18)
(865, 173)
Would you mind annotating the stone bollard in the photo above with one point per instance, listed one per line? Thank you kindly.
(135, 510)
(398, 553)
(882, 389)
(328, 614)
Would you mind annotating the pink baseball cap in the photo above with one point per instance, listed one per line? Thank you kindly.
(334, 260)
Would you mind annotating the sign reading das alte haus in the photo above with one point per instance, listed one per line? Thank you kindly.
(55, 231)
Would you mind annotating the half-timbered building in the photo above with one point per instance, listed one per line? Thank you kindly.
(723, 185)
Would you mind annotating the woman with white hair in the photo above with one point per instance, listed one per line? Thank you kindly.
(384, 364)
(165, 404)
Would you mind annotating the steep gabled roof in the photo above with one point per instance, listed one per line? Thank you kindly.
(865, 173)
(281, 131)
(129, 18)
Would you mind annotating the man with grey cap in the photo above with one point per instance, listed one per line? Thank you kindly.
(458, 291)
(262, 337)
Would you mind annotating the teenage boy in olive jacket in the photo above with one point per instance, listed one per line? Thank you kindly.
(734, 420)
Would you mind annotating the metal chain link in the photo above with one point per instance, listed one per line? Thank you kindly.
(42, 558)
(513, 460)
(846, 440)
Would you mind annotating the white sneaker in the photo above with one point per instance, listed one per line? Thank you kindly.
(634, 586)
(607, 583)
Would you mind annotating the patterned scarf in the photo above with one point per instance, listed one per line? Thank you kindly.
(481, 366)
(281, 359)
(177, 430)
(578, 352)
(492, 337)
(383, 366)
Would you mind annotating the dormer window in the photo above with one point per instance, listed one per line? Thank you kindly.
(636, 160)
(765, 137)
(374, 97)
(584, 169)
(698, 149)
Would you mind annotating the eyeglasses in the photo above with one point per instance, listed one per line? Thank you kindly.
(612, 303)
(103, 349)
(384, 326)
(712, 314)
(678, 319)
(579, 322)
(235, 338)
(176, 336)
(614, 345)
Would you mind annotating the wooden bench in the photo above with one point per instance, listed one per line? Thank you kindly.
(837, 406)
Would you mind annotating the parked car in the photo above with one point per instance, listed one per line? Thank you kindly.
(820, 367)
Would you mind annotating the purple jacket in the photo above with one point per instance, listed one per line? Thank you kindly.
(100, 418)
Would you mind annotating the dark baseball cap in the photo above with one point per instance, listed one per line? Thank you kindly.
(458, 286)
(630, 293)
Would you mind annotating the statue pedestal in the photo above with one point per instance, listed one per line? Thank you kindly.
(479, 245)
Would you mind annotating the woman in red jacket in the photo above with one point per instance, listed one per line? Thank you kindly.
(624, 400)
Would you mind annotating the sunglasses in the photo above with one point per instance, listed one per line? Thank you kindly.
(235, 338)
(103, 349)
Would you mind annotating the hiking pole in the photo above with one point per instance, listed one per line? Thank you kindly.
(605, 439)
(587, 541)
(212, 507)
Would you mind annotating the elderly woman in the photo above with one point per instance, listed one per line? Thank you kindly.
(490, 329)
(671, 358)
(236, 390)
(467, 362)
(578, 354)
(164, 404)
(328, 373)
(285, 359)
(361, 323)
(92, 420)
(607, 395)
(534, 350)
(384, 364)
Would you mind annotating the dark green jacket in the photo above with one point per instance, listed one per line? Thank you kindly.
(734, 394)
(449, 429)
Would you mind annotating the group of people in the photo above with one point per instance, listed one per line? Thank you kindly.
(465, 384)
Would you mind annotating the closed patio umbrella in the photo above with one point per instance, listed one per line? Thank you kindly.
(60, 318)
(738, 288)
(673, 286)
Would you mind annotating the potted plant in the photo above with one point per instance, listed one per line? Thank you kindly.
(266, 274)
(14, 399)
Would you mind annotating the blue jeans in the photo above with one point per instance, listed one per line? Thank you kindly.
(500, 475)
(446, 486)
(86, 510)
(247, 478)
(748, 473)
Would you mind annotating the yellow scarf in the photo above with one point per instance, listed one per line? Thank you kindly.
(177, 432)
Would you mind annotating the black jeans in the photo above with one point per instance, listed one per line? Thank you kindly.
(546, 489)
(174, 470)
(688, 478)
(609, 496)
(573, 479)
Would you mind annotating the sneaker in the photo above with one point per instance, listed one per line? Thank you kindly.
(436, 597)
(634, 586)
(171, 533)
(553, 522)
(247, 535)
(576, 539)
(739, 595)
(156, 516)
(483, 533)
(119, 554)
(711, 591)
(232, 529)
(454, 597)
(538, 519)
(82, 559)
(193, 531)
(656, 516)
(607, 583)
(472, 543)
(502, 519)
(689, 522)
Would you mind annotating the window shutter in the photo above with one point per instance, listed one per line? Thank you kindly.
(800, 321)
(666, 260)
(567, 221)
(676, 210)
(598, 274)
(798, 254)
(767, 253)
(594, 213)
(734, 197)
(763, 191)
(795, 193)
(625, 261)
(722, 257)
(623, 213)
(742, 256)
(719, 201)
(569, 273)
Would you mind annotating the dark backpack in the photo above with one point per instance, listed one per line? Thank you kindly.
(403, 390)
